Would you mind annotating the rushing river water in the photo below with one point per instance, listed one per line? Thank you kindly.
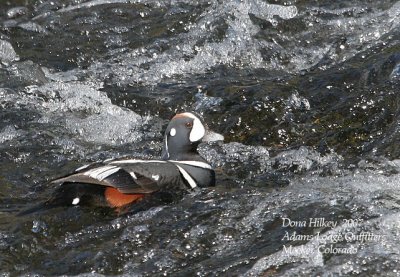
(306, 94)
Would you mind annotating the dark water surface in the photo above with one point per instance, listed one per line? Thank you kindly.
(306, 94)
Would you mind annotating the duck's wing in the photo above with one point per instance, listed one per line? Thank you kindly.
(127, 175)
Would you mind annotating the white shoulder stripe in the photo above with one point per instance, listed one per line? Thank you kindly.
(193, 163)
(136, 161)
(187, 177)
(133, 175)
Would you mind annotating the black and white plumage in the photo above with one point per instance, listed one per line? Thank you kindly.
(117, 183)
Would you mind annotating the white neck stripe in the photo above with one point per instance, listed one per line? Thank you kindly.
(166, 145)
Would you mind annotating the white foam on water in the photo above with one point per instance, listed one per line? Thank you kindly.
(237, 48)
(95, 3)
(16, 12)
(7, 52)
(111, 126)
(82, 109)
(376, 217)
(243, 43)
(103, 122)
(8, 133)
(32, 27)
(395, 72)
(305, 159)
(236, 158)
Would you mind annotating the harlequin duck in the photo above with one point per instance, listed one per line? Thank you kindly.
(121, 182)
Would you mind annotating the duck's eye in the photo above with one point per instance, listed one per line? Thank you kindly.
(189, 124)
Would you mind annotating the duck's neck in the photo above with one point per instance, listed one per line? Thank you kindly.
(184, 153)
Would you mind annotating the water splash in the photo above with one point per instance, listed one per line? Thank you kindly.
(7, 52)
(195, 51)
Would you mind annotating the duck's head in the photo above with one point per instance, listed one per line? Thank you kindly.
(183, 134)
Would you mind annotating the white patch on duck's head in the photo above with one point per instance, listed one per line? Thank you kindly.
(198, 130)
